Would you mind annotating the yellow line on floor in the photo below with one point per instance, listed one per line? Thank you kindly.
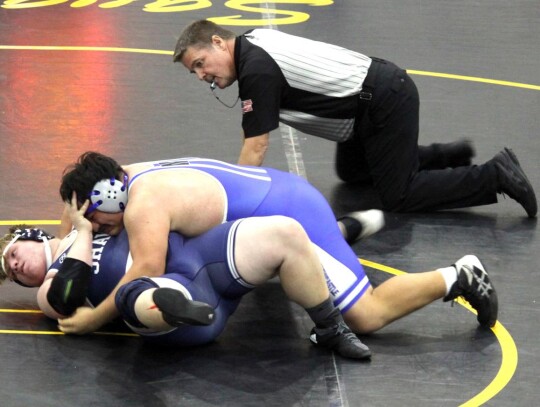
(28, 222)
(165, 52)
(509, 358)
(23, 332)
(21, 311)
(74, 48)
(474, 79)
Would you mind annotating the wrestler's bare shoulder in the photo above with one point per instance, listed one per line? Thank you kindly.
(194, 200)
(148, 171)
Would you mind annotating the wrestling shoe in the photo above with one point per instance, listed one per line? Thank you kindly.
(474, 285)
(178, 310)
(340, 339)
(512, 181)
(362, 224)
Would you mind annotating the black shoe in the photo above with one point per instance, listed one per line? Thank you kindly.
(512, 181)
(458, 153)
(438, 156)
(341, 339)
(178, 310)
(474, 285)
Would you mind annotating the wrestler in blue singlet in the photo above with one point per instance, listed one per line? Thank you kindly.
(257, 191)
(199, 267)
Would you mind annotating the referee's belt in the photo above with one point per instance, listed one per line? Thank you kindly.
(368, 87)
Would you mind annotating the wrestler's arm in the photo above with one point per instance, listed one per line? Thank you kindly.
(42, 300)
(80, 251)
(147, 226)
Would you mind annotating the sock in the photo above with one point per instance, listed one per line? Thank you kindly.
(325, 315)
(450, 276)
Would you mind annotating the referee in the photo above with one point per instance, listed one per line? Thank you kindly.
(368, 106)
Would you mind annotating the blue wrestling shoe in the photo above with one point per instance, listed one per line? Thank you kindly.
(474, 285)
(178, 310)
(340, 339)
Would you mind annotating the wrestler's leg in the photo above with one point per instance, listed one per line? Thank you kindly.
(393, 299)
(403, 294)
(139, 306)
(277, 245)
(164, 308)
(136, 304)
(148, 313)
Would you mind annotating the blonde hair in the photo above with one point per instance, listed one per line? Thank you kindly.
(4, 241)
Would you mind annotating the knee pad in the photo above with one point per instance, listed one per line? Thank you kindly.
(127, 295)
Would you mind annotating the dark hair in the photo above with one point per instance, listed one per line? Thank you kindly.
(199, 34)
(90, 168)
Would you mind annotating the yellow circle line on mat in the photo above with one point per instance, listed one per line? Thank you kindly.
(165, 52)
(509, 359)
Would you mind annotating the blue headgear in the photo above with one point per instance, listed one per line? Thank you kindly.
(109, 195)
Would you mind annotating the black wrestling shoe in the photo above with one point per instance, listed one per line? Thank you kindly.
(341, 339)
(474, 285)
(512, 181)
(178, 310)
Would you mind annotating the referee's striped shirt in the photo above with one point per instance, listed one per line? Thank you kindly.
(312, 85)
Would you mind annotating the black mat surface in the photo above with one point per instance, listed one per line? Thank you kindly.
(77, 76)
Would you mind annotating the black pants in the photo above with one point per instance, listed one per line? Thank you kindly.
(384, 151)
